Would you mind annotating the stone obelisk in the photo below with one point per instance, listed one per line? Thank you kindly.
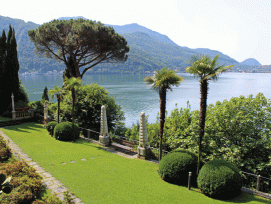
(143, 148)
(46, 117)
(104, 138)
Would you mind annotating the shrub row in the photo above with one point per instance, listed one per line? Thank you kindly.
(218, 178)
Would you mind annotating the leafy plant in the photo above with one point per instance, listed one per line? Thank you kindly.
(176, 165)
(5, 187)
(5, 151)
(220, 179)
(64, 131)
(51, 126)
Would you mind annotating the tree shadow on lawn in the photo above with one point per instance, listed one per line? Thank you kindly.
(26, 127)
(246, 198)
(242, 198)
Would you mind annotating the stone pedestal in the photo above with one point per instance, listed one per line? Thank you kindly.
(13, 115)
(143, 152)
(143, 148)
(104, 138)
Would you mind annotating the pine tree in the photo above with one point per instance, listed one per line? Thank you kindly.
(45, 94)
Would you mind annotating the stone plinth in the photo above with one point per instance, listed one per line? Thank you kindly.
(104, 138)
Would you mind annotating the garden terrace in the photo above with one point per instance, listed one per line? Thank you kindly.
(103, 177)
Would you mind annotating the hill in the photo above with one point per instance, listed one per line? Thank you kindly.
(251, 62)
(149, 50)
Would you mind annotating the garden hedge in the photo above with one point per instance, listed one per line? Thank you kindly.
(64, 131)
(176, 165)
(219, 179)
(50, 125)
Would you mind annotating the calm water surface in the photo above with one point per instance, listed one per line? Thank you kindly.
(134, 96)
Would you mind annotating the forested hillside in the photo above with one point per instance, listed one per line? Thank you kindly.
(149, 50)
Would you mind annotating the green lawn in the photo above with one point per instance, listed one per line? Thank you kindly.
(104, 177)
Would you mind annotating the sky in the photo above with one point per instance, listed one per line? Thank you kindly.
(240, 29)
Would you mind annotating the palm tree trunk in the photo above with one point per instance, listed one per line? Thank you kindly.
(73, 103)
(162, 95)
(202, 116)
(58, 111)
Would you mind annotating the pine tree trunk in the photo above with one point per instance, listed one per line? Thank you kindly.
(203, 106)
(162, 95)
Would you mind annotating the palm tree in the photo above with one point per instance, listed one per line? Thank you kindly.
(161, 82)
(58, 92)
(71, 85)
(206, 69)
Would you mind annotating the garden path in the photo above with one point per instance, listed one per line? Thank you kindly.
(49, 181)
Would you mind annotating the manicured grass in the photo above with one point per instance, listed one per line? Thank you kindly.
(104, 177)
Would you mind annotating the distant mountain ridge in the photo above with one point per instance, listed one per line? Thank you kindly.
(149, 50)
(251, 61)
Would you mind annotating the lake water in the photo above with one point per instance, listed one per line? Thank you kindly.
(134, 96)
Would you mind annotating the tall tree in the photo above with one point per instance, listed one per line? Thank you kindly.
(9, 69)
(45, 94)
(162, 81)
(206, 69)
(58, 92)
(86, 42)
(71, 85)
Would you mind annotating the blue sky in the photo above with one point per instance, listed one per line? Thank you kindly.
(238, 28)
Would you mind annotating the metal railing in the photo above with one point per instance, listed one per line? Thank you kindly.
(257, 184)
(24, 114)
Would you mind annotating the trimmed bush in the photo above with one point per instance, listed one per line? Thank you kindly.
(64, 131)
(5, 152)
(50, 125)
(220, 179)
(176, 165)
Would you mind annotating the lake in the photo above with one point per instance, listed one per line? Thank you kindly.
(134, 96)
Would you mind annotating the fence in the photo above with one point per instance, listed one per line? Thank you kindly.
(24, 114)
(256, 184)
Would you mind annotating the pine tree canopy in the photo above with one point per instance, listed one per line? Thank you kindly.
(87, 42)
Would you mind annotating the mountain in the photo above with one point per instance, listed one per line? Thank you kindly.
(149, 50)
(251, 62)
(134, 27)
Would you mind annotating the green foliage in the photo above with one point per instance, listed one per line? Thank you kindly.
(5, 151)
(9, 70)
(64, 131)
(87, 43)
(5, 187)
(38, 107)
(51, 126)
(26, 182)
(45, 94)
(176, 165)
(220, 179)
(89, 99)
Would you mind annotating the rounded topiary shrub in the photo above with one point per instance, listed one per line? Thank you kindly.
(219, 179)
(176, 165)
(64, 131)
(51, 126)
